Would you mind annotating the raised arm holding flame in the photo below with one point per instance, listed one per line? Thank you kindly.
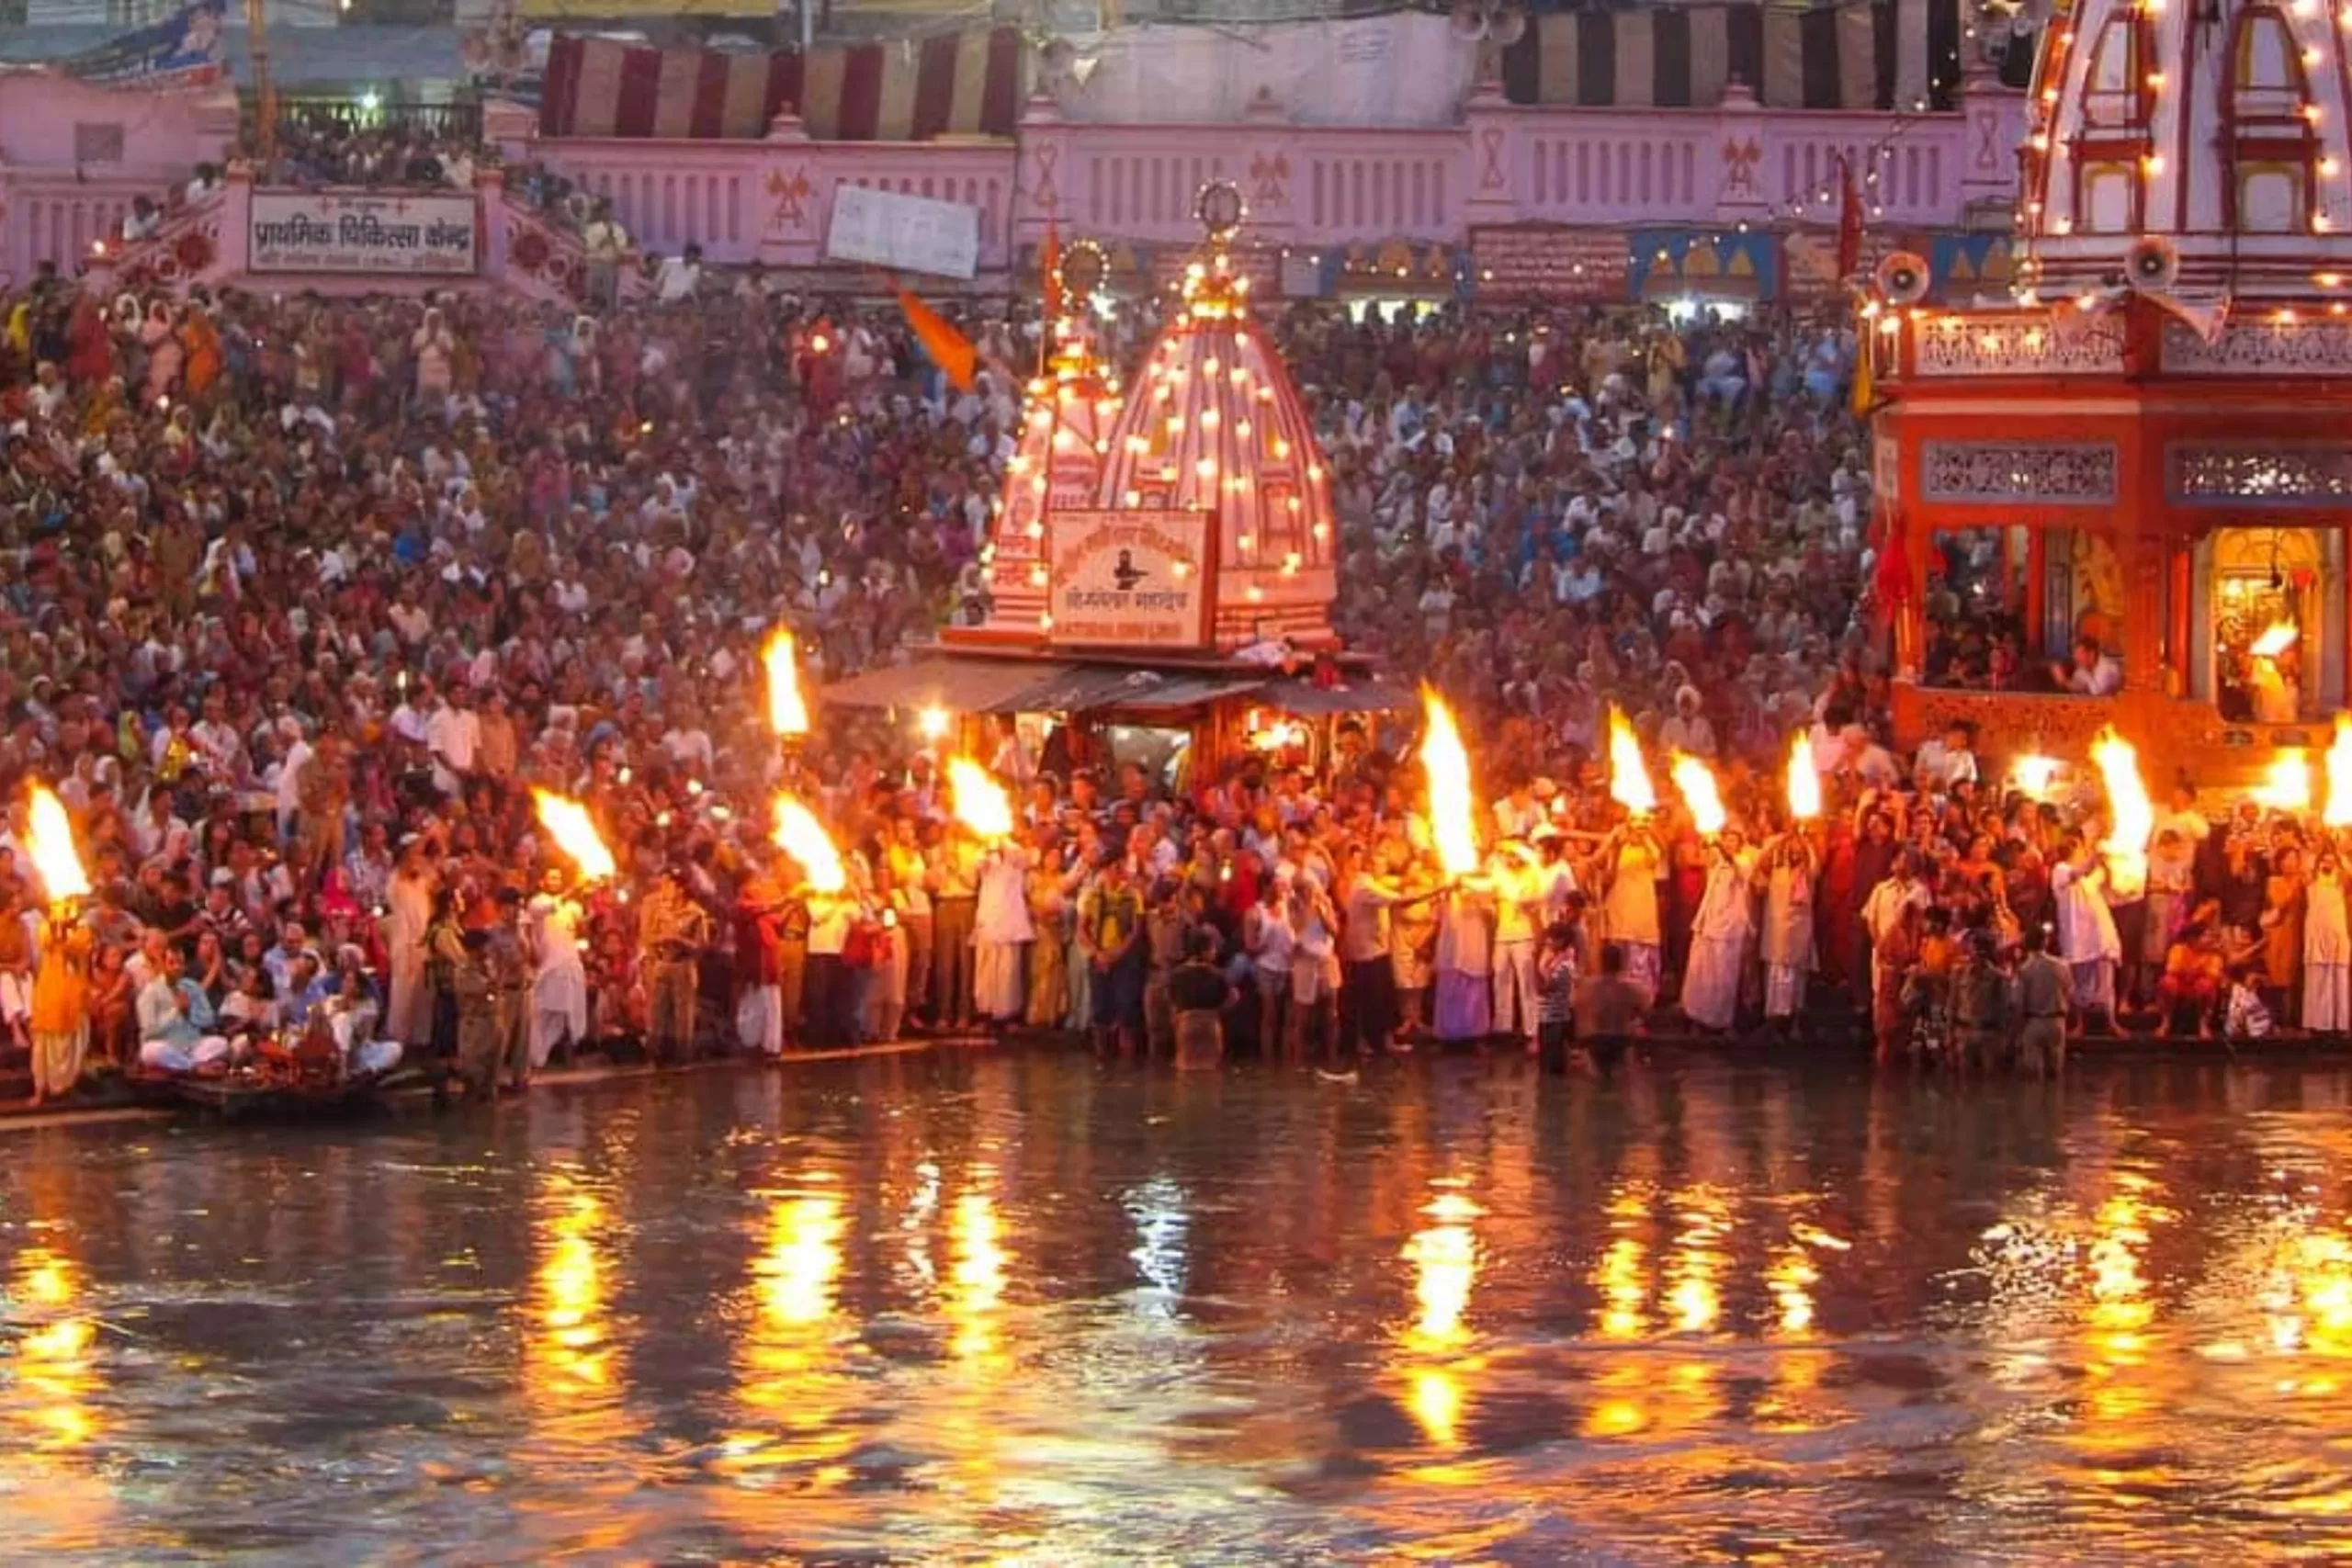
(801, 836)
(787, 709)
(978, 801)
(575, 832)
(1629, 776)
(1453, 803)
(49, 844)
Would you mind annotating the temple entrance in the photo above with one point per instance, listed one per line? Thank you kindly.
(2270, 648)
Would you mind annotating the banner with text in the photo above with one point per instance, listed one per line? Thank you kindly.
(1130, 579)
(364, 231)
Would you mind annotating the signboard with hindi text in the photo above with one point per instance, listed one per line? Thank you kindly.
(386, 233)
(1529, 264)
(1130, 578)
(905, 233)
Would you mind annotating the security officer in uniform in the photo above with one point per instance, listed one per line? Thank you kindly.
(671, 931)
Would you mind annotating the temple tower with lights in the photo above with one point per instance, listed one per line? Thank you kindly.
(1057, 463)
(2148, 450)
(1217, 426)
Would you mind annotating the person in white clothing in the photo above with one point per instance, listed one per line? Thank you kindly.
(2086, 935)
(1723, 932)
(2327, 949)
(1001, 925)
(560, 976)
(1518, 896)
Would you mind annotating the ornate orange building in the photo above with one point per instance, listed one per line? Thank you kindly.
(2140, 469)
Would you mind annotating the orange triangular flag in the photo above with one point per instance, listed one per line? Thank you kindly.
(949, 349)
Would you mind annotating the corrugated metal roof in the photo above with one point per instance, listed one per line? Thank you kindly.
(959, 685)
(1189, 690)
(1311, 701)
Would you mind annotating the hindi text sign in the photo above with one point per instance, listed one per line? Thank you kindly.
(1527, 264)
(1130, 578)
(364, 231)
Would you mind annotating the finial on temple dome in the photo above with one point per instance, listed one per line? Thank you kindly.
(1210, 287)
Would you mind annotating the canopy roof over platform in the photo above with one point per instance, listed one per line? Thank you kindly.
(976, 684)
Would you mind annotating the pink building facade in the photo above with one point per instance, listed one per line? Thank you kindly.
(1510, 202)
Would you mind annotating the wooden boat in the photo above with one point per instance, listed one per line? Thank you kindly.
(294, 1073)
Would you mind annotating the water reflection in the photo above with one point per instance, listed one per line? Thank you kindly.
(573, 1362)
(55, 1367)
(790, 1379)
(1444, 1256)
(975, 1309)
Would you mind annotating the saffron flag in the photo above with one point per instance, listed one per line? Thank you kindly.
(1865, 395)
(949, 349)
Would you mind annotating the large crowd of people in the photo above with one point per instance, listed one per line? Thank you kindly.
(309, 594)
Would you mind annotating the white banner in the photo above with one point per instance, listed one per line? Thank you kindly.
(363, 232)
(1129, 578)
(1407, 69)
(906, 233)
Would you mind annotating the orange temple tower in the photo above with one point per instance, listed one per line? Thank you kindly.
(2138, 470)
(1217, 426)
(1058, 464)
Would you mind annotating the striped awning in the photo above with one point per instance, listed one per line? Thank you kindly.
(959, 84)
(1852, 54)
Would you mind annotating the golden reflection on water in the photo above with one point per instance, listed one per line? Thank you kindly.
(1622, 1275)
(1704, 1221)
(56, 1373)
(790, 1380)
(1444, 1256)
(572, 1376)
(977, 1263)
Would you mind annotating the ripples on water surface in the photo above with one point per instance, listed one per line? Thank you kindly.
(959, 1310)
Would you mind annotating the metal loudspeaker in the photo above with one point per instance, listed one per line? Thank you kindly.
(2153, 265)
(1902, 279)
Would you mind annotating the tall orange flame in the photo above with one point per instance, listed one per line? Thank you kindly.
(2275, 640)
(1805, 780)
(1697, 783)
(788, 710)
(1454, 810)
(2287, 783)
(2132, 813)
(979, 801)
(1629, 777)
(2338, 811)
(801, 836)
(49, 844)
(575, 832)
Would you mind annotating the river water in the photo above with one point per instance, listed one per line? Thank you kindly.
(1022, 1309)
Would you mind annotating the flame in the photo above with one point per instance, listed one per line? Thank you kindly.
(574, 832)
(1805, 780)
(1452, 805)
(2287, 783)
(2338, 813)
(801, 836)
(2133, 814)
(787, 711)
(1698, 786)
(2275, 640)
(980, 802)
(1629, 780)
(49, 844)
(2033, 773)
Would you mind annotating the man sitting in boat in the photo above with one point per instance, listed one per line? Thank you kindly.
(352, 1007)
(177, 1030)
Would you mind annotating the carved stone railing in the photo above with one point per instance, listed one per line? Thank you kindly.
(2010, 343)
